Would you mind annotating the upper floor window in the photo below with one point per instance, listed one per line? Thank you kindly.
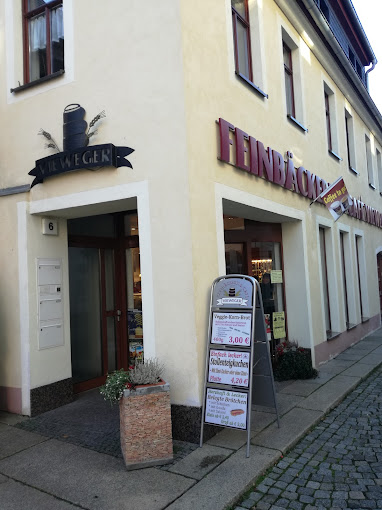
(328, 127)
(43, 38)
(350, 145)
(288, 72)
(241, 38)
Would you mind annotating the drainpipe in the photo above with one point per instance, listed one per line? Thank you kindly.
(373, 64)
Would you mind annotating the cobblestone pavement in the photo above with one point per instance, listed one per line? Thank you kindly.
(337, 466)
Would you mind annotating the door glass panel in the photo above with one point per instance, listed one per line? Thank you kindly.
(134, 304)
(234, 258)
(109, 280)
(85, 313)
(266, 258)
(131, 224)
(111, 343)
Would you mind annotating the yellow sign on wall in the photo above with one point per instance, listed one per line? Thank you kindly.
(278, 325)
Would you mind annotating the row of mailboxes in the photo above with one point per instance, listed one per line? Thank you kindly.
(50, 303)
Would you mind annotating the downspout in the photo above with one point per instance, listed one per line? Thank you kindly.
(373, 64)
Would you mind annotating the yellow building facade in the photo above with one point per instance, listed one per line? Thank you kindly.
(238, 114)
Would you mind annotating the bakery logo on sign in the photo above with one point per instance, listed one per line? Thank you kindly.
(232, 298)
(76, 154)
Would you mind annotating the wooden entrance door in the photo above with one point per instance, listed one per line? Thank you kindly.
(98, 308)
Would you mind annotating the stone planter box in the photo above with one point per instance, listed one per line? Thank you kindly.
(145, 426)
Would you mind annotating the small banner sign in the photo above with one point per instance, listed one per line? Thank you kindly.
(337, 199)
(92, 157)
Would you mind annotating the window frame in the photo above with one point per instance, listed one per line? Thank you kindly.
(288, 77)
(246, 24)
(350, 144)
(369, 162)
(328, 124)
(26, 16)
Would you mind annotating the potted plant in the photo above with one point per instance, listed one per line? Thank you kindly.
(145, 413)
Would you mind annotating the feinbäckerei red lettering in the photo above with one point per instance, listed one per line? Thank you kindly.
(251, 156)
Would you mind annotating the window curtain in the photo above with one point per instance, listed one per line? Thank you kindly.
(37, 29)
(56, 24)
(37, 33)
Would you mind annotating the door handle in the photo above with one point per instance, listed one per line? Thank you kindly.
(119, 313)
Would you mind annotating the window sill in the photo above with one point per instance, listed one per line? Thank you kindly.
(372, 186)
(350, 326)
(365, 319)
(38, 82)
(336, 156)
(353, 170)
(297, 123)
(252, 85)
(330, 335)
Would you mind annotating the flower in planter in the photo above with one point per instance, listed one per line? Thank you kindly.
(293, 362)
(148, 372)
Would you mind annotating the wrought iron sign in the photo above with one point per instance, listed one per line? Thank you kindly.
(76, 154)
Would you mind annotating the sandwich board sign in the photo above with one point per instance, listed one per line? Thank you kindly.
(238, 365)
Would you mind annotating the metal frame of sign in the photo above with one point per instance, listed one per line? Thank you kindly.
(248, 301)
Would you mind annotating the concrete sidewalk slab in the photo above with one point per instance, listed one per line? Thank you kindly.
(292, 427)
(229, 438)
(301, 388)
(374, 358)
(349, 356)
(359, 370)
(14, 495)
(220, 488)
(330, 394)
(284, 401)
(201, 461)
(13, 440)
(11, 419)
(93, 480)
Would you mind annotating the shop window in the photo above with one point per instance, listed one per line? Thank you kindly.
(325, 286)
(369, 162)
(43, 38)
(241, 38)
(350, 145)
(331, 121)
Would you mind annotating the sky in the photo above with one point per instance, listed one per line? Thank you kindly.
(370, 15)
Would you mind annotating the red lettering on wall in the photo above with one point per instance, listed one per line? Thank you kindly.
(311, 178)
(278, 168)
(265, 161)
(303, 188)
(291, 178)
(253, 161)
(241, 149)
(225, 140)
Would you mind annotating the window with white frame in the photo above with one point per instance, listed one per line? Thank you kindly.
(369, 162)
(350, 143)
